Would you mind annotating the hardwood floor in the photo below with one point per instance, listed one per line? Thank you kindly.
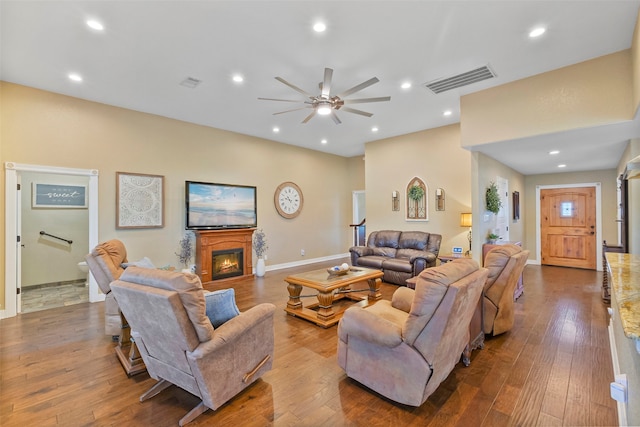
(554, 368)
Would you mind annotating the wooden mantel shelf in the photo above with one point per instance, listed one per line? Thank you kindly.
(208, 241)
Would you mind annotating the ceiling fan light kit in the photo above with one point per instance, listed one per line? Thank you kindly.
(325, 104)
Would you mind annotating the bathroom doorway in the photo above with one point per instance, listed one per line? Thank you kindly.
(54, 218)
(77, 179)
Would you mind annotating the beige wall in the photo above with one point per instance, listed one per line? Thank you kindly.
(607, 179)
(486, 170)
(435, 156)
(587, 94)
(43, 128)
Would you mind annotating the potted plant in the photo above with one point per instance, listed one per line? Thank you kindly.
(416, 193)
(260, 246)
(492, 198)
(492, 237)
(185, 253)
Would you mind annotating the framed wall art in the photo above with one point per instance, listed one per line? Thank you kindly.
(58, 196)
(139, 200)
(516, 205)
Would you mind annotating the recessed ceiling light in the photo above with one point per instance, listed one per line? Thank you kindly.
(324, 141)
(276, 129)
(238, 78)
(319, 27)
(374, 129)
(537, 32)
(562, 165)
(75, 77)
(447, 113)
(405, 85)
(554, 152)
(92, 23)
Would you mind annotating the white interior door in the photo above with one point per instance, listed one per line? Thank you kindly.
(19, 246)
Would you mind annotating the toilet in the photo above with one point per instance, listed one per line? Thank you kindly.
(84, 267)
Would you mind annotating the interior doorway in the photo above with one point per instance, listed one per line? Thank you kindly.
(358, 223)
(569, 225)
(13, 216)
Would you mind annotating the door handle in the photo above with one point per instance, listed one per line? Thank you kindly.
(592, 233)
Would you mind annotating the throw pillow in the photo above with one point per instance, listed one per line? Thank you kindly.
(221, 306)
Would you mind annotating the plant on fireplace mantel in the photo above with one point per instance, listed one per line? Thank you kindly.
(186, 252)
(260, 246)
(260, 242)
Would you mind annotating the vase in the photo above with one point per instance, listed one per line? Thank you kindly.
(260, 268)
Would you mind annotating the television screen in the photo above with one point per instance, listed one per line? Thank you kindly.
(211, 206)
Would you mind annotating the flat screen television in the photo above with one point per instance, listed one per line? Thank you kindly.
(211, 206)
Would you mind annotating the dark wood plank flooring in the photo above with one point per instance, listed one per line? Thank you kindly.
(553, 368)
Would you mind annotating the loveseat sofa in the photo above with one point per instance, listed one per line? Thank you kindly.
(399, 254)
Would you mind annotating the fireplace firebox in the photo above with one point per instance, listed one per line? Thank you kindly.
(227, 263)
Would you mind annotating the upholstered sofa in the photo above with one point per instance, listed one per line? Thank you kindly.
(404, 348)
(399, 254)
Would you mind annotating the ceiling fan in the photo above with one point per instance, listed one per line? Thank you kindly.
(327, 104)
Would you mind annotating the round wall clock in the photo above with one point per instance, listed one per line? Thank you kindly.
(288, 200)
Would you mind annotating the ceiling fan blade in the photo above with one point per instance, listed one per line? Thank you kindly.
(359, 87)
(353, 110)
(326, 83)
(365, 100)
(335, 118)
(288, 111)
(310, 116)
(283, 100)
(294, 87)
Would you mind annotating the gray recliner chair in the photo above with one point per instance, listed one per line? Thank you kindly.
(404, 348)
(179, 345)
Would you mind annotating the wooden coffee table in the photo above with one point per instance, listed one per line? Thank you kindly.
(330, 289)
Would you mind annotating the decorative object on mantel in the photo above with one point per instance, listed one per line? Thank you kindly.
(417, 207)
(466, 221)
(493, 198)
(260, 246)
(139, 200)
(186, 252)
(492, 238)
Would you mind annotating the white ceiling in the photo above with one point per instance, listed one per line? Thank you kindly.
(148, 47)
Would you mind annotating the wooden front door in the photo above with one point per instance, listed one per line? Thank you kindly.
(568, 227)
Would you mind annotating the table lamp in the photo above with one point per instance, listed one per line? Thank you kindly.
(465, 221)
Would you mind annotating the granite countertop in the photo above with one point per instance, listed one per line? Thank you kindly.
(625, 284)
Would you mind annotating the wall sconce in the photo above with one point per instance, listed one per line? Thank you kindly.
(395, 201)
(439, 199)
(466, 221)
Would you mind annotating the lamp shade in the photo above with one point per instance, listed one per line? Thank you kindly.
(465, 220)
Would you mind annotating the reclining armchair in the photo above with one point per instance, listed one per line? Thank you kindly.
(179, 345)
(404, 348)
(105, 262)
(505, 264)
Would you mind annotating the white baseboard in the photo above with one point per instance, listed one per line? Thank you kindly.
(2, 314)
(622, 410)
(305, 262)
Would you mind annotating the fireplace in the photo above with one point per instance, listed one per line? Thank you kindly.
(227, 263)
(236, 261)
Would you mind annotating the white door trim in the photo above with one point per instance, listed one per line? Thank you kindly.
(11, 227)
(598, 188)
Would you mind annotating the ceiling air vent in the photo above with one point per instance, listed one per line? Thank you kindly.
(190, 82)
(467, 78)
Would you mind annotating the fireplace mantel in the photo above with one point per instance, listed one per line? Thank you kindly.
(208, 241)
